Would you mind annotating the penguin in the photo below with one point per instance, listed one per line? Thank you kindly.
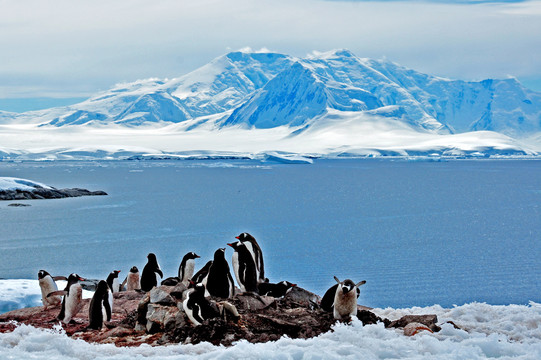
(72, 302)
(100, 308)
(257, 254)
(149, 278)
(244, 267)
(345, 299)
(327, 302)
(197, 307)
(218, 281)
(201, 275)
(132, 280)
(112, 281)
(275, 290)
(187, 267)
(48, 285)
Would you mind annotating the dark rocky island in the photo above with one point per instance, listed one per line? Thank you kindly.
(46, 193)
(157, 318)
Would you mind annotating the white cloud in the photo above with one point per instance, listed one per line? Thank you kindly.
(77, 48)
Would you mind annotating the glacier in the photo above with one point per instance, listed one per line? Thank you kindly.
(262, 101)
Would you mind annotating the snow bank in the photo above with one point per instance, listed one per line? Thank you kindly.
(487, 331)
(10, 183)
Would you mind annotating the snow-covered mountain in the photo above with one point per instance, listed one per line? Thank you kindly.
(360, 102)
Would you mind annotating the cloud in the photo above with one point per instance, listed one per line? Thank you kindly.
(77, 48)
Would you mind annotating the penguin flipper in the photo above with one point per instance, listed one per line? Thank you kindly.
(159, 272)
(107, 307)
(58, 292)
(57, 278)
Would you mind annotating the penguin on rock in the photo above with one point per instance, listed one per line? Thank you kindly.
(257, 254)
(72, 302)
(218, 281)
(275, 290)
(132, 281)
(48, 285)
(100, 308)
(187, 267)
(201, 275)
(341, 299)
(112, 281)
(244, 267)
(197, 307)
(151, 271)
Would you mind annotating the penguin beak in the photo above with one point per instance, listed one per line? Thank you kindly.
(237, 237)
(81, 279)
(230, 244)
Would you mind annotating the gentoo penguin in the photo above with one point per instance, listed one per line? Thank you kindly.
(275, 290)
(100, 308)
(132, 280)
(219, 282)
(112, 281)
(244, 267)
(201, 274)
(197, 308)
(149, 278)
(73, 294)
(327, 302)
(344, 305)
(257, 254)
(48, 285)
(187, 267)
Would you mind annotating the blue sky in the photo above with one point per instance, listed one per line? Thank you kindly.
(66, 49)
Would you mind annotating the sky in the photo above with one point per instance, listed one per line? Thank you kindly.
(63, 51)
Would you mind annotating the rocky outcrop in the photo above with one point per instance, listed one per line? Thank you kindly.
(157, 317)
(43, 193)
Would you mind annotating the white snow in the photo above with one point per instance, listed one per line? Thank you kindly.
(11, 183)
(487, 331)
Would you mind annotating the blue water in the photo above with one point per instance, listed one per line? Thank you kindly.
(420, 233)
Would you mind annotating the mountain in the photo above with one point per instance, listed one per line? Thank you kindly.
(335, 100)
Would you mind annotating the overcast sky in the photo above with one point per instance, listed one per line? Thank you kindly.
(68, 48)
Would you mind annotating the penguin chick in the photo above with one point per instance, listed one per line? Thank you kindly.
(197, 307)
(257, 254)
(149, 278)
(48, 285)
(345, 299)
(187, 267)
(100, 307)
(275, 290)
(132, 280)
(72, 302)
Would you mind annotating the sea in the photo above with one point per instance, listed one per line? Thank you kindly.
(419, 232)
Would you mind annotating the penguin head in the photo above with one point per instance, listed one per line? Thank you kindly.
(42, 274)
(114, 273)
(199, 288)
(235, 245)
(102, 287)
(219, 254)
(191, 255)
(347, 285)
(244, 237)
(287, 284)
(74, 278)
(134, 269)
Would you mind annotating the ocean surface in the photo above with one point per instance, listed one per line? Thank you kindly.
(420, 233)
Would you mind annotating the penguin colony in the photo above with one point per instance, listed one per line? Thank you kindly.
(214, 279)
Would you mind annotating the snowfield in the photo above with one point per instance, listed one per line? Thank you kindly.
(487, 331)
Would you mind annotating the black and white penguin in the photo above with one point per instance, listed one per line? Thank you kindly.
(72, 302)
(100, 308)
(132, 282)
(218, 281)
(257, 254)
(48, 285)
(244, 267)
(149, 278)
(201, 275)
(275, 290)
(112, 281)
(197, 307)
(187, 267)
(341, 299)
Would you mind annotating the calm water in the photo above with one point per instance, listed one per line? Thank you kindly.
(420, 233)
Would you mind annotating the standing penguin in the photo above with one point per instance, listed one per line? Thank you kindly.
(187, 267)
(48, 285)
(197, 308)
(132, 280)
(112, 281)
(73, 295)
(100, 308)
(219, 281)
(344, 304)
(149, 278)
(244, 267)
(257, 254)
